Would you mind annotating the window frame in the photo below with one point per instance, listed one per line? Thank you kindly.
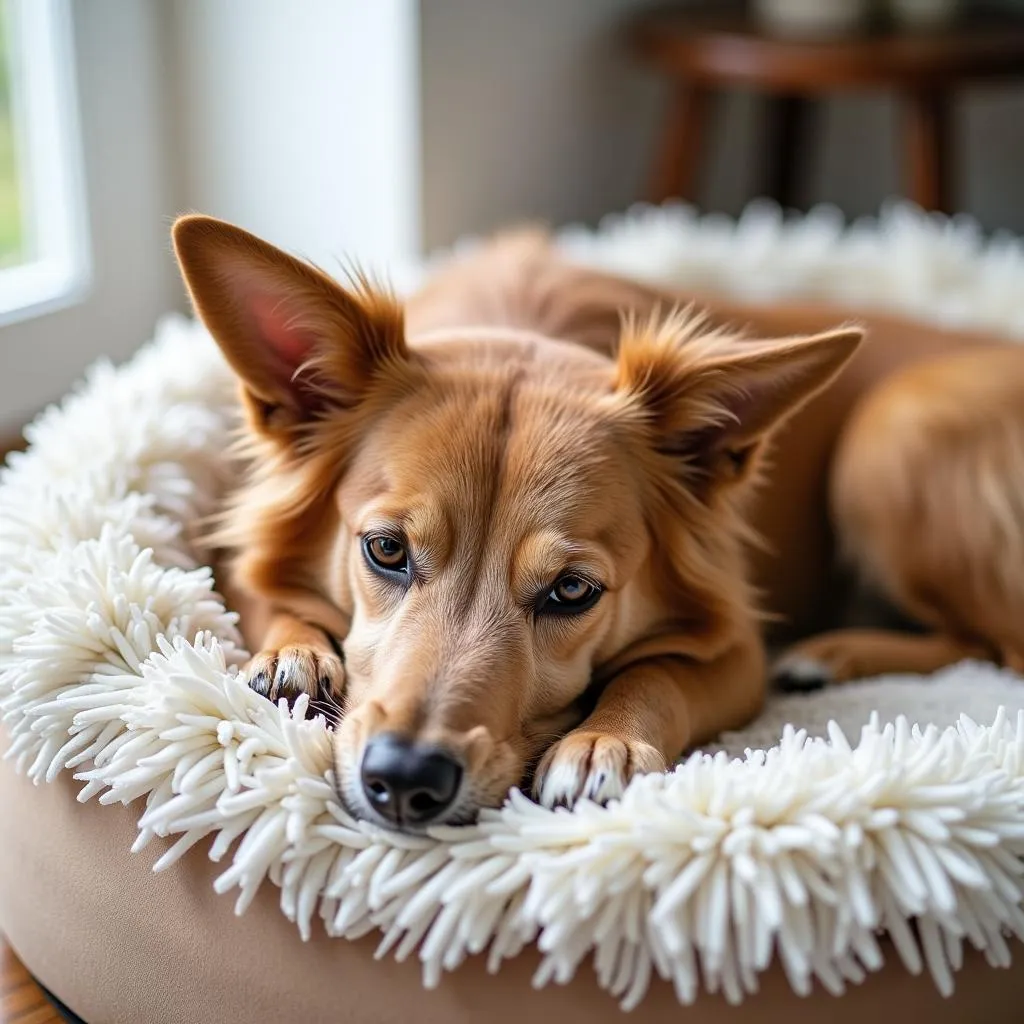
(48, 150)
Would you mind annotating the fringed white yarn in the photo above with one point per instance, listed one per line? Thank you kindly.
(943, 270)
(119, 662)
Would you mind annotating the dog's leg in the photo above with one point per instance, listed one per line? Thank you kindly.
(847, 654)
(646, 717)
(296, 658)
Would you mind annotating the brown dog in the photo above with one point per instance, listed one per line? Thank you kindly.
(516, 519)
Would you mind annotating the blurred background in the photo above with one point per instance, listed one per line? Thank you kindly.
(387, 128)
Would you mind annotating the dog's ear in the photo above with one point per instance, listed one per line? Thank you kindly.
(299, 341)
(710, 400)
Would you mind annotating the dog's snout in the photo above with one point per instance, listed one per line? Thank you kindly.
(408, 783)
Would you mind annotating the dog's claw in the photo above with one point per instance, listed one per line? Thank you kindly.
(260, 682)
(800, 675)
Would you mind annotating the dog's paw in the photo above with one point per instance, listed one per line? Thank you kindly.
(593, 766)
(295, 670)
(836, 657)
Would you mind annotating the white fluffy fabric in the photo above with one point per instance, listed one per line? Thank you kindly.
(875, 809)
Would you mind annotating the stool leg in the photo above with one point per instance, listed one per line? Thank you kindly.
(680, 150)
(788, 124)
(928, 134)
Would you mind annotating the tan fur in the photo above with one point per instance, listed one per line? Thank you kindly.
(522, 417)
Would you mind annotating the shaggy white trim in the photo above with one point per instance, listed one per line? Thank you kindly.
(119, 662)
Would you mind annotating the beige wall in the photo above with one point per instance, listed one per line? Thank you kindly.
(528, 110)
(531, 109)
(299, 120)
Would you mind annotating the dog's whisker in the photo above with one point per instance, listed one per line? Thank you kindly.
(329, 717)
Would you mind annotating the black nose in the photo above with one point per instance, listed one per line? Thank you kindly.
(407, 783)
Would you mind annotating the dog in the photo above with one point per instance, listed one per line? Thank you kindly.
(544, 522)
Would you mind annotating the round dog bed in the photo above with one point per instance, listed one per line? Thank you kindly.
(863, 842)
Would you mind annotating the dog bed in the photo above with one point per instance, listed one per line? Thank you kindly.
(866, 840)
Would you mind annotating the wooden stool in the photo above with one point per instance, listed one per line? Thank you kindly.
(704, 52)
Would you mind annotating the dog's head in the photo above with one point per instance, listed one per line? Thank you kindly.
(491, 520)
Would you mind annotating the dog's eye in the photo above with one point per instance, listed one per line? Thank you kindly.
(571, 593)
(386, 553)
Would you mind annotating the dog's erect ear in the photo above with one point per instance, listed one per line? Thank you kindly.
(299, 341)
(710, 399)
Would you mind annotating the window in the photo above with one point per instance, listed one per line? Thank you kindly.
(43, 239)
(13, 236)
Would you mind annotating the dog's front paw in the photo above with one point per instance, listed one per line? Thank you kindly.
(593, 766)
(295, 670)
